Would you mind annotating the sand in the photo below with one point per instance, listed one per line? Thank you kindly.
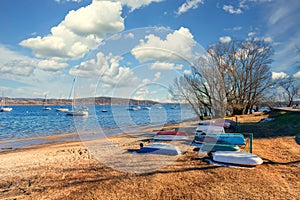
(69, 170)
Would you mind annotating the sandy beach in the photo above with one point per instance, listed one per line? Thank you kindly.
(68, 170)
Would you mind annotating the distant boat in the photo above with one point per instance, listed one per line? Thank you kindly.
(3, 107)
(76, 111)
(45, 104)
(147, 108)
(134, 108)
(82, 111)
(62, 109)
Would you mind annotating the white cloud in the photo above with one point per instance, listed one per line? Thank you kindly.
(225, 39)
(187, 72)
(13, 63)
(134, 4)
(156, 76)
(268, 39)
(279, 75)
(236, 28)
(108, 68)
(129, 35)
(297, 75)
(18, 67)
(177, 46)
(51, 65)
(189, 4)
(251, 34)
(165, 66)
(231, 10)
(79, 32)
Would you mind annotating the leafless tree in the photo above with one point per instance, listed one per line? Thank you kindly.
(291, 89)
(237, 71)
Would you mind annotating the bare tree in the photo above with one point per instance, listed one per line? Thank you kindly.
(237, 71)
(291, 89)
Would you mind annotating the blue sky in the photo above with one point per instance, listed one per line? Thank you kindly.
(43, 44)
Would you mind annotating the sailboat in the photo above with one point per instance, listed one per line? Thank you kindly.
(45, 104)
(76, 111)
(62, 109)
(3, 107)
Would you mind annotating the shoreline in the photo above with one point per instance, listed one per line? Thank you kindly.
(68, 170)
(12, 145)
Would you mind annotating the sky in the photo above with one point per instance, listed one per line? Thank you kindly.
(129, 48)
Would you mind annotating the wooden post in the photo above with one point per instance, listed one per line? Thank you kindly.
(251, 140)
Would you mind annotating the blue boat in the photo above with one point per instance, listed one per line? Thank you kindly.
(160, 148)
(227, 138)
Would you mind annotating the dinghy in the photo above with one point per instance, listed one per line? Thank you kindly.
(205, 130)
(236, 158)
(160, 148)
(170, 135)
(212, 147)
(223, 123)
(226, 138)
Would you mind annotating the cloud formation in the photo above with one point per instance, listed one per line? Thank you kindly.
(297, 75)
(134, 4)
(177, 46)
(279, 75)
(51, 65)
(166, 66)
(225, 39)
(80, 31)
(108, 68)
(13, 63)
(231, 10)
(189, 4)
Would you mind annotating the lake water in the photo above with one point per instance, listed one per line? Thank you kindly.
(25, 122)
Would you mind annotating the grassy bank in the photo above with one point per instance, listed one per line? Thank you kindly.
(285, 123)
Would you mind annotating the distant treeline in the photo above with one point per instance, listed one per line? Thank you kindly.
(90, 100)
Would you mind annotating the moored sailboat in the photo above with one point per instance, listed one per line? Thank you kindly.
(3, 107)
(76, 111)
(45, 107)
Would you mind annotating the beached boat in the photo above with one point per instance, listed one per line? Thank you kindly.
(223, 123)
(3, 107)
(236, 158)
(224, 138)
(212, 147)
(160, 148)
(207, 130)
(170, 135)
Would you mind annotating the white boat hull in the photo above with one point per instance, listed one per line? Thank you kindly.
(5, 109)
(62, 109)
(77, 113)
(237, 158)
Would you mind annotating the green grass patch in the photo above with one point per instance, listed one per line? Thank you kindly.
(284, 124)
